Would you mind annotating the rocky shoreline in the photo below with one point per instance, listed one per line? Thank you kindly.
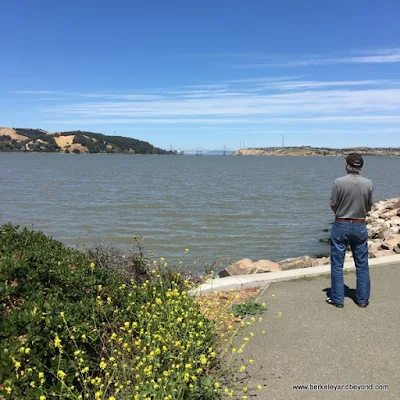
(383, 223)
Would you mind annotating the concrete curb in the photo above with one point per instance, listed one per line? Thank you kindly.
(258, 280)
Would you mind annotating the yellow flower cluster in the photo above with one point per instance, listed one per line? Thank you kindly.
(162, 344)
(168, 343)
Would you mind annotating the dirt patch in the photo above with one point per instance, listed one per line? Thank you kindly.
(66, 142)
(11, 132)
(217, 307)
(63, 141)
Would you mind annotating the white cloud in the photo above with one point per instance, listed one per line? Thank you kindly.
(307, 103)
(322, 84)
(252, 100)
(356, 119)
(383, 56)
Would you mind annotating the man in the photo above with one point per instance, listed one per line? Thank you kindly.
(351, 199)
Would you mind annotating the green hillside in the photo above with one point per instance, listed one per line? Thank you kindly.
(38, 140)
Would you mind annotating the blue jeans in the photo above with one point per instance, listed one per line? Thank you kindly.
(356, 235)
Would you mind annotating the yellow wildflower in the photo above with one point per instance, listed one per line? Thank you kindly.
(61, 374)
(57, 342)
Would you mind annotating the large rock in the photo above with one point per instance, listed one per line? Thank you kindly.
(373, 247)
(296, 263)
(395, 221)
(385, 246)
(390, 244)
(374, 231)
(395, 204)
(381, 253)
(373, 215)
(267, 266)
(241, 267)
(389, 214)
(391, 233)
(247, 267)
(395, 241)
(321, 261)
(387, 224)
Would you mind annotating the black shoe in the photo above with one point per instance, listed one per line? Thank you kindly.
(338, 305)
(362, 305)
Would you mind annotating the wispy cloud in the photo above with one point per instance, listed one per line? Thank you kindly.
(117, 96)
(316, 102)
(260, 100)
(383, 56)
(324, 84)
(374, 119)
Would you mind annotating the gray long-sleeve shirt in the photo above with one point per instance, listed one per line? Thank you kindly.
(352, 196)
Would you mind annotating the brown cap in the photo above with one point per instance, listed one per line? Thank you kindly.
(355, 160)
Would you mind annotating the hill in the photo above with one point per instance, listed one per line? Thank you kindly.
(39, 140)
(316, 151)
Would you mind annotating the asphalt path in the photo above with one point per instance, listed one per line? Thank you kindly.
(308, 342)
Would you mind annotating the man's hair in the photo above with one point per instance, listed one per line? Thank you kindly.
(352, 170)
(355, 160)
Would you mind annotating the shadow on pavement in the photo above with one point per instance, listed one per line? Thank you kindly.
(348, 292)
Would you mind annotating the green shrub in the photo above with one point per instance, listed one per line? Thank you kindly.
(39, 280)
(249, 307)
(73, 329)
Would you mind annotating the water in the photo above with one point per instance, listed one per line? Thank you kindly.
(234, 207)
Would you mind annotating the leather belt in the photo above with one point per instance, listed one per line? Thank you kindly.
(350, 220)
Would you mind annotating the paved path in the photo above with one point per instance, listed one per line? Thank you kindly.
(315, 343)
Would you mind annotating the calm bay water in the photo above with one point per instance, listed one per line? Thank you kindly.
(236, 207)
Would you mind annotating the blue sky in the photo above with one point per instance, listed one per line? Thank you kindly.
(205, 74)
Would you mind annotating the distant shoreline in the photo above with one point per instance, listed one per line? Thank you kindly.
(27, 140)
(317, 151)
(203, 155)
